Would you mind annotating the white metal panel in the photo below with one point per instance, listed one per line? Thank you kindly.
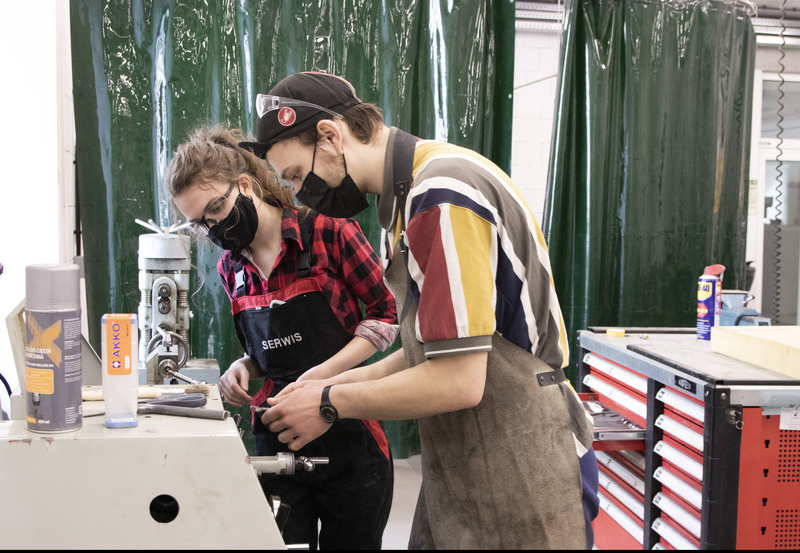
(681, 431)
(675, 538)
(677, 401)
(632, 503)
(634, 456)
(680, 515)
(626, 400)
(679, 459)
(621, 470)
(679, 486)
(617, 372)
(626, 522)
(92, 488)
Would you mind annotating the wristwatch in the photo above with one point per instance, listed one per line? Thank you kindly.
(327, 411)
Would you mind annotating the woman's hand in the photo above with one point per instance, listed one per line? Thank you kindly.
(277, 398)
(234, 383)
(319, 372)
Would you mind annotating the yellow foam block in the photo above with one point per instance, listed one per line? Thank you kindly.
(776, 348)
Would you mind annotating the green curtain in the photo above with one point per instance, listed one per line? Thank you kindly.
(145, 73)
(650, 158)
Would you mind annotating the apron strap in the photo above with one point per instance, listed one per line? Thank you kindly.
(403, 165)
(551, 377)
(240, 276)
(306, 231)
(303, 264)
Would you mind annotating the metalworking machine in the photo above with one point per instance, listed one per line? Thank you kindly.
(178, 480)
(172, 482)
(164, 314)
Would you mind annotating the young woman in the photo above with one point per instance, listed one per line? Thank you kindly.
(296, 280)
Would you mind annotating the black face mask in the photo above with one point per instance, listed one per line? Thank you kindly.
(344, 201)
(236, 231)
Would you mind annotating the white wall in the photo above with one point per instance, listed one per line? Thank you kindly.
(535, 70)
(32, 198)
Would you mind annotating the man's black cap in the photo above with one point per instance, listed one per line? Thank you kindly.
(321, 89)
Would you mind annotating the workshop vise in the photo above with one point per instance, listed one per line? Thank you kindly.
(735, 312)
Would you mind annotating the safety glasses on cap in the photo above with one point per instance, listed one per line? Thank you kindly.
(267, 102)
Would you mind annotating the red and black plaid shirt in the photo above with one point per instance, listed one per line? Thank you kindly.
(341, 259)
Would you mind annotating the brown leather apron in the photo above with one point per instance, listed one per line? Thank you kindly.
(504, 474)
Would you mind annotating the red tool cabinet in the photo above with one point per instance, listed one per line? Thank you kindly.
(696, 450)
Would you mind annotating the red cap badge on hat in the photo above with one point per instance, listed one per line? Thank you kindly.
(287, 116)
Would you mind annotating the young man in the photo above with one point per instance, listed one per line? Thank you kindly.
(504, 436)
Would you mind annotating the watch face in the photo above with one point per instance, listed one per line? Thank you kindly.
(328, 414)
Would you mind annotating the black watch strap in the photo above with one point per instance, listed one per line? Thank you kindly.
(327, 411)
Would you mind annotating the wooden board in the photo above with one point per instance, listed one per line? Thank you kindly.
(15, 324)
(776, 348)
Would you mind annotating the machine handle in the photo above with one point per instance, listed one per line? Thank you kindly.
(285, 462)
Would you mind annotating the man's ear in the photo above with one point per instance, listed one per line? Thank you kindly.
(331, 131)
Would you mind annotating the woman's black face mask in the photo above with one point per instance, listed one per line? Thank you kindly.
(236, 231)
(346, 200)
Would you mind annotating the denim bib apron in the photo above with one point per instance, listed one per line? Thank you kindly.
(287, 332)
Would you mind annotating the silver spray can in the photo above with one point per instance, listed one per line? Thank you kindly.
(53, 367)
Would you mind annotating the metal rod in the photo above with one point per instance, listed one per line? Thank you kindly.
(152, 226)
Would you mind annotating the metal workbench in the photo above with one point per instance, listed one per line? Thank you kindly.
(171, 482)
(711, 459)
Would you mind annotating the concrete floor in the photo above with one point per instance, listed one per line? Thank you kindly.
(407, 479)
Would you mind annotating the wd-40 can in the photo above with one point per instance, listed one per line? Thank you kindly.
(709, 300)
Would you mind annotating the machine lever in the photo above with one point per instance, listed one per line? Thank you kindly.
(179, 376)
(285, 463)
(309, 463)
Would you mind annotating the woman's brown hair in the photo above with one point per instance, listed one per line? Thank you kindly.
(212, 154)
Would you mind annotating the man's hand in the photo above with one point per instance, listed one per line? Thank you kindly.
(233, 384)
(294, 414)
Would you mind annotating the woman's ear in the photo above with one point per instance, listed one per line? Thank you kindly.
(246, 184)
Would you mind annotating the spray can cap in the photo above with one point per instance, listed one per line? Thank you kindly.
(52, 287)
(715, 270)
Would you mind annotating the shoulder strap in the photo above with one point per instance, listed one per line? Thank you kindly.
(306, 233)
(403, 164)
(306, 225)
(240, 277)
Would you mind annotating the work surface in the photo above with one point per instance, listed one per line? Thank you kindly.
(685, 352)
(671, 356)
(170, 482)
